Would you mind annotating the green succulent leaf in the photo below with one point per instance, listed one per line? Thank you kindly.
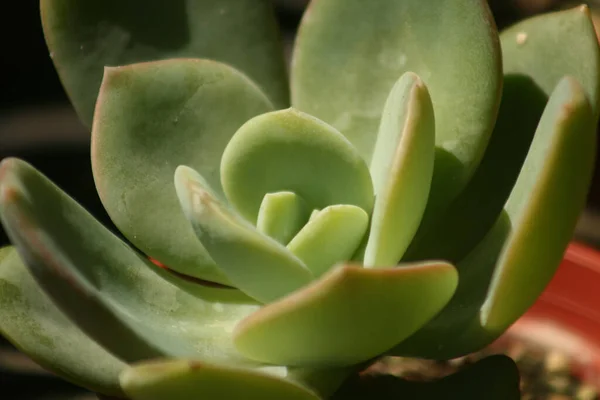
(30, 320)
(151, 118)
(332, 236)
(256, 264)
(472, 214)
(565, 38)
(282, 215)
(348, 316)
(492, 378)
(114, 295)
(548, 197)
(183, 380)
(503, 276)
(292, 151)
(401, 168)
(568, 39)
(375, 43)
(85, 36)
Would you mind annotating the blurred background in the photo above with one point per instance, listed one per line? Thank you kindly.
(38, 125)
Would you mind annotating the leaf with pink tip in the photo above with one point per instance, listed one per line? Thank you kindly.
(113, 294)
(504, 275)
(151, 118)
(350, 315)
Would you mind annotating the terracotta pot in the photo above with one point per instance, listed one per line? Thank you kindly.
(567, 315)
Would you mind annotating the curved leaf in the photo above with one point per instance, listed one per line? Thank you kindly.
(85, 36)
(350, 315)
(151, 118)
(537, 54)
(504, 275)
(181, 379)
(292, 151)
(373, 44)
(550, 46)
(474, 211)
(255, 263)
(114, 295)
(401, 168)
(30, 320)
(282, 215)
(331, 237)
(544, 205)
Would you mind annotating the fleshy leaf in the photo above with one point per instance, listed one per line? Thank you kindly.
(503, 276)
(256, 264)
(114, 295)
(375, 43)
(151, 118)
(401, 168)
(331, 237)
(537, 53)
(84, 37)
(472, 214)
(492, 378)
(549, 46)
(290, 150)
(282, 215)
(350, 315)
(30, 320)
(544, 205)
(181, 379)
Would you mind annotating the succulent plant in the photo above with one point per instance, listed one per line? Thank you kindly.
(415, 199)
